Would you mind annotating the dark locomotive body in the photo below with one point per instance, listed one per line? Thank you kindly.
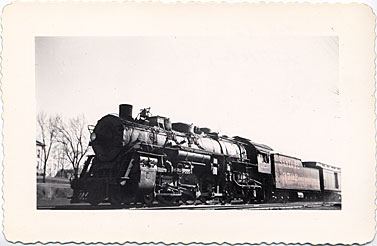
(150, 159)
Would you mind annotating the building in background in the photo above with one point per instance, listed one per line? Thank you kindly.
(65, 173)
(39, 149)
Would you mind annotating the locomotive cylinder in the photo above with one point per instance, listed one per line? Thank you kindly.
(125, 111)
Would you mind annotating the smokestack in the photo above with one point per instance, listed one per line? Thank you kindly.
(125, 111)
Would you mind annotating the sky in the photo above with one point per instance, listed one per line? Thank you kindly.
(279, 91)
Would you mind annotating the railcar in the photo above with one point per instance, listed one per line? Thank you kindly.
(329, 178)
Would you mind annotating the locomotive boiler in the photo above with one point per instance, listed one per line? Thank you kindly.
(149, 158)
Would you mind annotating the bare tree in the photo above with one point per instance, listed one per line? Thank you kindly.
(74, 140)
(60, 159)
(47, 134)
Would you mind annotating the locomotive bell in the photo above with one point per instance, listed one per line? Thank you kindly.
(125, 111)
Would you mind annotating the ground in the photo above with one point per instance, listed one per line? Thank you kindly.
(56, 191)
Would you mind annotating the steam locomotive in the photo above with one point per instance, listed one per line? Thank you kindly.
(149, 159)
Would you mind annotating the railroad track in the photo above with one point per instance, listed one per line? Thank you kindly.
(265, 206)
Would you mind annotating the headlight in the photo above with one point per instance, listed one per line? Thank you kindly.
(92, 136)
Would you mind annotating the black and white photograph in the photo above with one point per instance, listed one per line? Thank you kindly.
(196, 123)
(187, 122)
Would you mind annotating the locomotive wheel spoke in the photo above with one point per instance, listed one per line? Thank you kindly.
(188, 199)
(167, 200)
(246, 199)
(148, 198)
(95, 196)
(228, 199)
(116, 197)
(260, 197)
(223, 200)
(203, 199)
